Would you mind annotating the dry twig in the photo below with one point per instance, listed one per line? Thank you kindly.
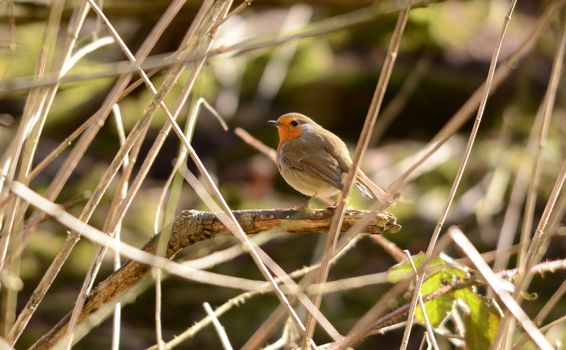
(193, 226)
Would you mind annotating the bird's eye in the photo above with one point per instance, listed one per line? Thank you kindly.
(294, 123)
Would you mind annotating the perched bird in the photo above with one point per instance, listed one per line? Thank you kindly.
(316, 162)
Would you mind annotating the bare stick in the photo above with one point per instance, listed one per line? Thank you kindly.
(255, 143)
(126, 250)
(389, 247)
(524, 339)
(265, 261)
(160, 220)
(218, 327)
(529, 250)
(541, 230)
(157, 100)
(365, 323)
(461, 169)
(117, 321)
(402, 97)
(429, 329)
(23, 147)
(240, 299)
(546, 112)
(37, 106)
(466, 111)
(245, 4)
(329, 25)
(238, 231)
(550, 304)
(267, 327)
(394, 317)
(188, 228)
(91, 130)
(499, 288)
(363, 143)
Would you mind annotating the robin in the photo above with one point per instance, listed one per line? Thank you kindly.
(316, 162)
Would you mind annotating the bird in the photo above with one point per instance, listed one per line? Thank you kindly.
(316, 162)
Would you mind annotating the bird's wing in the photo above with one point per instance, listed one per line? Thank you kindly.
(318, 163)
(365, 184)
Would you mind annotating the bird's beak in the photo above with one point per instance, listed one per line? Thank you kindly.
(274, 122)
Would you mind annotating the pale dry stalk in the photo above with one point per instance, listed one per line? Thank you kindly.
(457, 180)
(69, 166)
(365, 136)
(158, 100)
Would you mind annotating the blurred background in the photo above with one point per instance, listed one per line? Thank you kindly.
(331, 77)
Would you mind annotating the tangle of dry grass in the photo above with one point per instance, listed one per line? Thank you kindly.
(172, 82)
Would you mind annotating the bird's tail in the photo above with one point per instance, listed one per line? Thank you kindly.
(372, 191)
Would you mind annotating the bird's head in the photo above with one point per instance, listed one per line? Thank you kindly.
(292, 125)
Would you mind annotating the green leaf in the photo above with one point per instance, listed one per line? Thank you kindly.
(436, 309)
(482, 322)
(403, 270)
(441, 271)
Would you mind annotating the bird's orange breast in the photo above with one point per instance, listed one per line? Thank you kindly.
(287, 134)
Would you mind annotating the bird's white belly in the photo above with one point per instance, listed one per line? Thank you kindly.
(307, 185)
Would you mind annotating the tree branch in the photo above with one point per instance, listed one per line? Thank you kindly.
(193, 226)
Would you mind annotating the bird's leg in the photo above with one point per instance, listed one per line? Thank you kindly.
(328, 201)
(325, 200)
(304, 205)
(307, 204)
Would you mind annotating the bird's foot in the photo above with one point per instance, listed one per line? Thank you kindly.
(300, 207)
